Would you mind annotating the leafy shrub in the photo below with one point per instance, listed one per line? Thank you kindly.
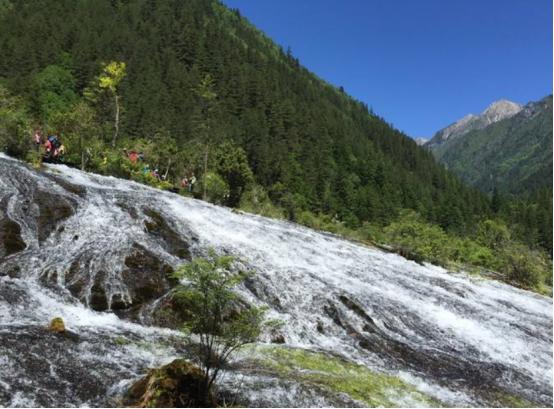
(15, 127)
(217, 190)
(422, 241)
(524, 266)
(232, 166)
(256, 200)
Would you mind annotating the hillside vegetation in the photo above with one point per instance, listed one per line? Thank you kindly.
(199, 90)
(511, 160)
(513, 155)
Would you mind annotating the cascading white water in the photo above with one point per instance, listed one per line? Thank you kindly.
(451, 335)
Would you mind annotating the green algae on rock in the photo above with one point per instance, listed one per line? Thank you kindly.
(341, 376)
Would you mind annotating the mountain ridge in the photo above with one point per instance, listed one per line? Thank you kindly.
(513, 154)
(496, 111)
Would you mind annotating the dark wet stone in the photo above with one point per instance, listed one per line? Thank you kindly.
(11, 271)
(359, 311)
(49, 367)
(320, 328)
(70, 187)
(74, 281)
(98, 299)
(146, 276)
(261, 291)
(171, 312)
(118, 302)
(333, 313)
(129, 209)
(11, 241)
(53, 209)
(158, 227)
(49, 278)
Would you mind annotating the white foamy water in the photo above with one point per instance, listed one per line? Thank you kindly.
(458, 338)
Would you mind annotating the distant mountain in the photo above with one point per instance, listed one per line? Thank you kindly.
(421, 141)
(497, 111)
(508, 146)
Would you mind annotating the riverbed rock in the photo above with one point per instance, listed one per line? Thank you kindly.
(53, 209)
(11, 241)
(178, 384)
(146, 276)
(160, 228)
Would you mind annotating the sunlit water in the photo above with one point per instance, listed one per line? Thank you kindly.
(458, 338)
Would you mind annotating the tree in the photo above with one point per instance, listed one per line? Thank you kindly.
(14, 125)
(217, 316)
(496, 200)
(207, 98)
(79, 128)
(109, 80)
(53, 92)
(232, 165)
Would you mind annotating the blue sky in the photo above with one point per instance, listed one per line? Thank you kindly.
(420, 64)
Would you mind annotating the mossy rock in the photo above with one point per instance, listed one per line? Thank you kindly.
(57, 325)
(178, 384)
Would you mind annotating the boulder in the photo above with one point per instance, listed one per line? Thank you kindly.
(178, 384)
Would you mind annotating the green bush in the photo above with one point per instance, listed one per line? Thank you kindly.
(256, 200)
(420, 240)
(524, 266)
(217, 190)
(232, 166)
(15, 127)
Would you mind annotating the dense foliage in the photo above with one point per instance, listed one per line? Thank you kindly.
(199, 91)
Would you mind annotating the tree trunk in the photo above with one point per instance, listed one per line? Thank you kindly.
(82, 153)
(204, 193)
(116, 125)
(167, 169)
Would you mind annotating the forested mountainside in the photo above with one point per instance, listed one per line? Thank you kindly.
(509, 158)
(198, 90)
(300, 134)
(513, 155)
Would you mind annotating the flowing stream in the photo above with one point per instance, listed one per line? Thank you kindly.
(96, 250)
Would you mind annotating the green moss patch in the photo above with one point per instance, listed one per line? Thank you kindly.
(340, 376)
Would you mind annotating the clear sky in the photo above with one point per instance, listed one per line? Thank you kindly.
(421, 64)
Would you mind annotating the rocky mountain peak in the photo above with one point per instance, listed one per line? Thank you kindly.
(495, 112)
(499, 110)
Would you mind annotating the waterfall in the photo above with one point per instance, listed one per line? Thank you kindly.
(97, 250)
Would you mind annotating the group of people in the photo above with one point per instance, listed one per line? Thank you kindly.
(137, 157)
(54, 149)
(187, 183)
